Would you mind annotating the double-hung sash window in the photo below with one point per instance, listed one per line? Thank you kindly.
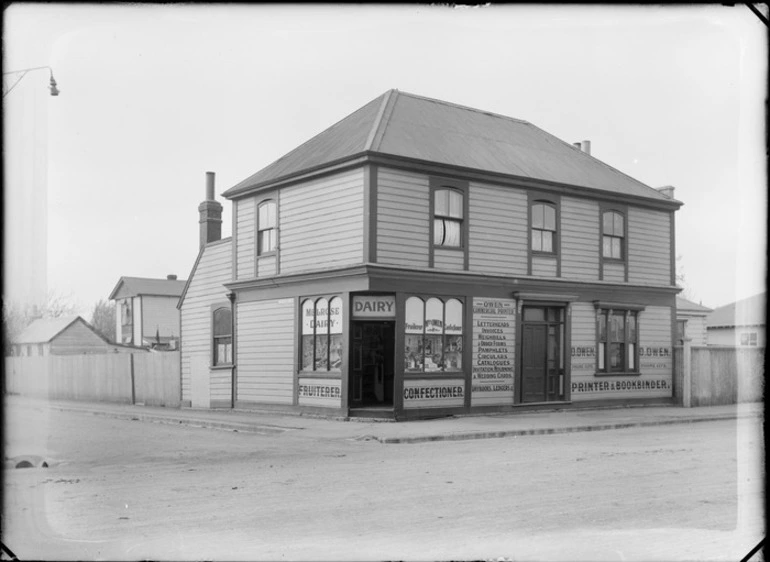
(613, 234)
(543, 227)
(266, 228)
(322, 334)
(617, 345)
(434, 335)
(447, 218)
(223, 336)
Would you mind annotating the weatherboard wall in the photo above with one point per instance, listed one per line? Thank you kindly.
(206, 288)
(265, 351)
(160, 317)
(649, 247)
(321, 223)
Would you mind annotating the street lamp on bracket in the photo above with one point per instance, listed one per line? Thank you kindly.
(23, 72)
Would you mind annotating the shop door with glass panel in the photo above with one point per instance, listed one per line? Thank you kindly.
(542, 354)
(372, 364)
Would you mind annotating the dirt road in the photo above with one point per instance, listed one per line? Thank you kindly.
(131, 490)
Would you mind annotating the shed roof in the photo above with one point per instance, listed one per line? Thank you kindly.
(685, 305)
(135, 286)
(745, 312)
(410, 126)
(43, 330)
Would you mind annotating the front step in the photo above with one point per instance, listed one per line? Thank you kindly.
(376, 412)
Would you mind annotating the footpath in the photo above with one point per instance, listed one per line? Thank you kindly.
(442, 429)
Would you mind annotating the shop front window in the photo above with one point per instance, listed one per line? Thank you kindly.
(433, 339)
(617, 341)
(322, 334)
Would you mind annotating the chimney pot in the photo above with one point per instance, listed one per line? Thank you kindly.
(667, 191)
(171, 277)
(210, 212)
(210, 186)
(577, 145)
(587, 146)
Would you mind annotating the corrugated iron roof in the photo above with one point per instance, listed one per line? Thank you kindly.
(135, 286)
(745, 312)
(405, 125)
(688, 306)
(44, 330)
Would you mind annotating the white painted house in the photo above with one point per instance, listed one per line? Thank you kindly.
(690, 321)
(146, 313)
(741, 323)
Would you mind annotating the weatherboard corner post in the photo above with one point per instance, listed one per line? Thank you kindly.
(233, 369)
(210, 214)
(687, 373)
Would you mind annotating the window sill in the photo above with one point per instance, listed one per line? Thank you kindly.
(536, 253)
(335, 373)
(434, 373)
(453, 248)
(618, 261)
(619, 374)
(221, 367)
(268, 254)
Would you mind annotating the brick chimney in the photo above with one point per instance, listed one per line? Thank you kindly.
(171, 277)
(667, 191)
(210, 214)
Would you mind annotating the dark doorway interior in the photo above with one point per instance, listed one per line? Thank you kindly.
(542, 354)
(372, 362)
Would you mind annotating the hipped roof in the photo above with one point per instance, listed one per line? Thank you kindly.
(433, 131)
(135, 286)
(745, 312)
(685, 305)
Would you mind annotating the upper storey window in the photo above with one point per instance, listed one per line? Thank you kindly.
(448, 218)
(543, 227)
(613, 235)
(266, 227)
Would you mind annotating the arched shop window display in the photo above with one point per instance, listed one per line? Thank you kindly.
(434, 335)
(322, 334)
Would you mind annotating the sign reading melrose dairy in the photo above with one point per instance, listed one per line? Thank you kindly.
(494, 346)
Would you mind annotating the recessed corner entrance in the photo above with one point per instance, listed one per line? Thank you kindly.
(542, 354)
(372, 364)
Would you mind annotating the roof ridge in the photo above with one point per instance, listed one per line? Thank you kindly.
(466, 107)
(378, 120)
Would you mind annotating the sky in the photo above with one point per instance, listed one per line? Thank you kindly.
(154, 96)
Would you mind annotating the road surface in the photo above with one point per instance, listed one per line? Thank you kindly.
(129, 490)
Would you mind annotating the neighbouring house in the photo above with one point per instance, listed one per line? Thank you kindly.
(421, 258)
(741, 323)
(690, 322)
(66, 335)
(146, 313)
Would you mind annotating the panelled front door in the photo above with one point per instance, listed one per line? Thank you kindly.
(542, 354)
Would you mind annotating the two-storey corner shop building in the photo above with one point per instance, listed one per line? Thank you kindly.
(419, 259)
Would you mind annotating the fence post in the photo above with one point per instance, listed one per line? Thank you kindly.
(687, 373)
(133, 382)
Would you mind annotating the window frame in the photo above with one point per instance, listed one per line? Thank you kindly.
(444, 299)
(315, 335)
(534, 197)
(622, 210)
(604, 312)
(214, 355)
(546, 204)
(273, 229)
(437, 183)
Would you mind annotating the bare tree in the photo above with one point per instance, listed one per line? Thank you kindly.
(17, 317)
(681, 281)
(103, 319)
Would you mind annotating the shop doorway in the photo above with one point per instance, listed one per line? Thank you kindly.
(372, 364)
(542, 354)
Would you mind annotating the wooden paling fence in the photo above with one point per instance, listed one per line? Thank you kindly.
(152, 379)
(717, 375)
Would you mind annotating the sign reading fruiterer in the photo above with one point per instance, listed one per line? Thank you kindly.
(374, 306)
(324, 393)
(494, 346)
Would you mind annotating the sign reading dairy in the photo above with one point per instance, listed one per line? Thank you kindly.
(374, 306)
(494, 346)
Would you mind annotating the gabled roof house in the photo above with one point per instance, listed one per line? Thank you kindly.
(66, 335)
(146, 311)
(741, 323)
(421, 258)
